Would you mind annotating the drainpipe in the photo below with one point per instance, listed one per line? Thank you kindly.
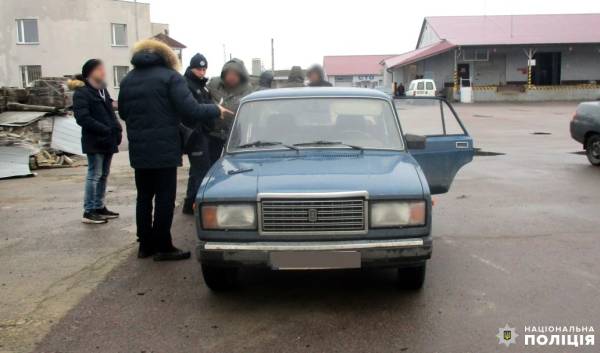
(137, 32)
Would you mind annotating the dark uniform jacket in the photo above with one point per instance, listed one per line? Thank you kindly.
(154, 99)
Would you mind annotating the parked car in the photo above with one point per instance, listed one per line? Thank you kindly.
(585, 128)
(326, 178)
(421, 87)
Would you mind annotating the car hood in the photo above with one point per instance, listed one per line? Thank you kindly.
(382, 174)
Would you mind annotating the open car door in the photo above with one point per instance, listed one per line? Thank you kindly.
(447, 146)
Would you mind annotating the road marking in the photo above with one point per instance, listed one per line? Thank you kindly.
(490, 263)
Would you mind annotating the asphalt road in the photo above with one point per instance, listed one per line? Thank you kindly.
(516, 242)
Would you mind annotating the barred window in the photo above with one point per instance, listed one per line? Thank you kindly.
(30, 73)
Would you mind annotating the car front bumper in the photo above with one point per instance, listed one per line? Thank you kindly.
(373, 253)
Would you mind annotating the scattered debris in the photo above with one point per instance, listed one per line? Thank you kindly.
(482, 116)
(36, 131)
(541, 133)
(462, 197)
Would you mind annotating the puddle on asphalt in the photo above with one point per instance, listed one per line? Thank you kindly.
(482, 116)
(481, 153)
(541, 133)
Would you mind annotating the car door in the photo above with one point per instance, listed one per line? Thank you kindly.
(448, 145)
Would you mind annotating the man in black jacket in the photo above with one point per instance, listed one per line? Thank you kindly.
(154, 100)
(197, 144)
(316, 76)
(100, 136)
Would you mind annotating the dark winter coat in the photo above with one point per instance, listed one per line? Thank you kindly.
(321, 73)
(100, 129)
(231, 96)
(200, 92)
(154, 99)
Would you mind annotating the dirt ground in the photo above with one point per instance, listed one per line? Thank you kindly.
(516, 241)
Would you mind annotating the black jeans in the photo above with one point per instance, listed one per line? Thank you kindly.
(199, 165)
(160, 186)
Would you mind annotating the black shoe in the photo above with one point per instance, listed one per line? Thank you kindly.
(188, 207)
(144, 252)
(173, 255)
(104, 212)
(93, 218)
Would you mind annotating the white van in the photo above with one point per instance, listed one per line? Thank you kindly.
(421, 87)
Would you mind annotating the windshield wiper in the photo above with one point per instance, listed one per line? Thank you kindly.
(328, 143)
(265, 144)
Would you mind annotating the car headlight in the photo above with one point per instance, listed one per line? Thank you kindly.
(233, 216)
(385, 214)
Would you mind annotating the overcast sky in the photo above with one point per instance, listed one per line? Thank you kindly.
(306, 30)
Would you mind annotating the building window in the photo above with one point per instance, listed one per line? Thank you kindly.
(475, 54)
(27, 31)
(119, 73)
(30, 73)
(119, 35)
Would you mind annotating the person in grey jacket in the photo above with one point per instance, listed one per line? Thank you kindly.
(227, 89)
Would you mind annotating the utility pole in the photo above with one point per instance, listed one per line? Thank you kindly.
(272, 56)
(224, 54)
(137, 31)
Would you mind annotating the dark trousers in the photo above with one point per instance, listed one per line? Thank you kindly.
(200, 163)
(215, 146)
(160, 186)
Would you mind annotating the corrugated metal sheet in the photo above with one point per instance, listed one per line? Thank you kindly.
(66, 136)
(19, 118)
(14, 161)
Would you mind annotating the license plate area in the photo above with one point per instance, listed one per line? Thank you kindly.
(314, 260)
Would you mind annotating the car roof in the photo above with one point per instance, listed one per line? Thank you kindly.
(318, 92)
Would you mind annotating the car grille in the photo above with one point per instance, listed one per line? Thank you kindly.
(319, 215)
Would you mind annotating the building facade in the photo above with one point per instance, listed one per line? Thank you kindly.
(527, 57)
(354, 70)
(54, 38)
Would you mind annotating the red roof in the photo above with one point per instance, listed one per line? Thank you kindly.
(347, 65)
(169, 41)
(419, 54)
(517, 29)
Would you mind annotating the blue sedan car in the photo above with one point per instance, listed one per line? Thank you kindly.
(328, 178)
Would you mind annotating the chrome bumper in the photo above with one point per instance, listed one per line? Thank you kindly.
(313, 245)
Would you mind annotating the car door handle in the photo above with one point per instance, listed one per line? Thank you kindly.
(462, 144)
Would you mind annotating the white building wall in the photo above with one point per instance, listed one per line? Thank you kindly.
(428, 36)
(70, 32)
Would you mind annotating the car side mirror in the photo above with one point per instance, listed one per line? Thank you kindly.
(415, 142)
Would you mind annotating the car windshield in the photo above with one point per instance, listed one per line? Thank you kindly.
(363, 123)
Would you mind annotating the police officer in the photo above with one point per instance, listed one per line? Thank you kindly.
(196, 145)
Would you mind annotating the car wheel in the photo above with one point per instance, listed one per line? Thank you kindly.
(219, 278)
(592, 148)
(412, 277)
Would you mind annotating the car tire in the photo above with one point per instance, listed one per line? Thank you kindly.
(218, 278)
(592, 149)
(412, 278)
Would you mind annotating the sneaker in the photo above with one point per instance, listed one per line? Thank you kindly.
(104, 212)
(145, 252)
(173, 255)
(93, 218)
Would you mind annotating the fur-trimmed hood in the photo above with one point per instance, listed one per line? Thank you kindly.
(151, 52)
(75, 83)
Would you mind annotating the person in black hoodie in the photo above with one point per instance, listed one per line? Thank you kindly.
(100, 136)
(197, 143)
(316, 77)
(154, 99)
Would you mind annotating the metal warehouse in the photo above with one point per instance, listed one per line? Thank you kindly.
(500, 58)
